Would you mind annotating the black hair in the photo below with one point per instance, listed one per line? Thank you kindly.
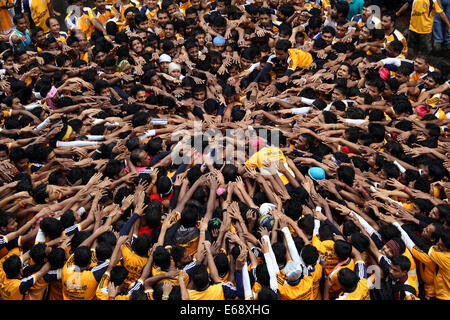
(401, 261)
(12, 266)
(200, 277)
(51, 227)
(57, 258)
(342, 249)
(141, 245)
(103, 251)
(347, 279)
(118, 275)
(346, 174)
(161, 258)
(82, 256)
(309, 255)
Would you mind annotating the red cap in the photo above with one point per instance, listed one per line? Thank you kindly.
(422, 110)
(384, 73)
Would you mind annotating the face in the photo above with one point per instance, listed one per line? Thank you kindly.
(334, 13)
(176, 74)
(169, 31)
(143, 25)
(54, 192)
(387, 23)
(164, 66)
(401, 78)
(434, 213)
(141, 96)
(152, 4)
(395, 272)
(299, 38)
(221, 7)
(265, 20)
(281, 55)
(186, 258)
(430, 83)
(156, 80)
(364, 34)
(302, 144)
(200, 95)
(427, 232)
(233, 71)
(337, 95)
(127, 87)
(100, 4)
(366, 13)
(110, 69)
(420, 65)
(16, 104)
(327, 37)
(83, 43)
(387, 251)
(245, 63)
(162, 19)
(21, 25)
(220, 30)
(195, 4)
(3, 155)
(54, 26)
(343, 72)
(105, 92)
(283, 36)
(444, 99)
(193, 53)
(11, 226)
(99, 57)
(200, 39)
(391, 53)
(263, 85)
(215, 65)
(136, 46)
(172, 9)
(373, 91)
(341, 31)
(40, 37)
(9, 61)
(143, 159)
(219, 47)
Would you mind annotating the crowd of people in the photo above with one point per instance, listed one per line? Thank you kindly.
(223, 150)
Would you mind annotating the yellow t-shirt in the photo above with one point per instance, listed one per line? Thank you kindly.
(5, 17)
(39, 12)
(360, 293)
(422, 16)
(103, 17)
(133, 263)
(301, 291)
(442, 279)
(213, 292)
(298, 58)
(271, 154)
(427, 269)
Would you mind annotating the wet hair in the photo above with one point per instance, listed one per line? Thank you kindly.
(309, 255)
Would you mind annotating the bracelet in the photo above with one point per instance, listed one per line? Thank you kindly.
(165, 296)
(334, 126)
(21, 204)
(404, 188)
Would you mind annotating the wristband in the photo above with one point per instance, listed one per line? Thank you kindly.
(165, 296)
(220, 191)
(319, 209)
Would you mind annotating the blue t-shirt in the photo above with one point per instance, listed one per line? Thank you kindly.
(354, 8)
